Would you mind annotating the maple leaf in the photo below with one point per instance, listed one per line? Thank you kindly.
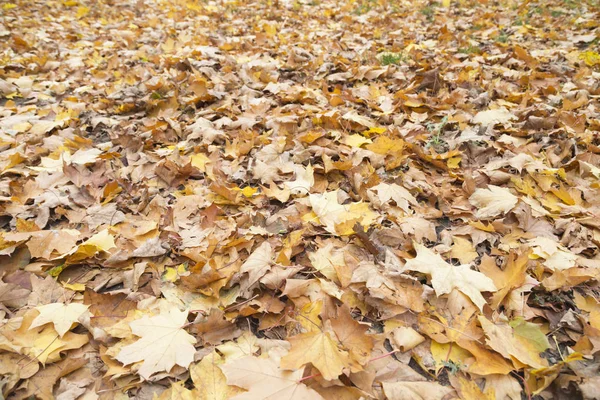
(264, 379)
(304, 180)
(556, 256)
(63, 316)
(338, 218)
(497, 116)
(353, 335)
(12, 295)
(513, 276)
(210, 380)
(163, 343)
(492, 201)
(415, 391)
(521, 349)
(258, 263)
(402, 197)
(316, 347)
(446, 277)
(43, 243)
(325, 259)
(177, 391)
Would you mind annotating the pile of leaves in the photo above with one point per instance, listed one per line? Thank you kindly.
(299, 199)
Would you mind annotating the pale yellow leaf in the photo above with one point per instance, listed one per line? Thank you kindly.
(446, 277)
(163, 343)
(264, 379)
(210, 381)
(415, 391)
(321, 350)
(492, 202)
(63, 316)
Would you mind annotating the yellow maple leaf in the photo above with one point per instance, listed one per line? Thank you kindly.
(385, 145)
(63, 316)
(337, 218)
(163, 343)
(590, 58)
(445, 277)
(264, 379)
(521, 350)
(209, 380)
(321, 350)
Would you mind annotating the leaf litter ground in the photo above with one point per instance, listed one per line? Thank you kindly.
(299, 199)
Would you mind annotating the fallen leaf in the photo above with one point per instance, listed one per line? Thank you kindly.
(415, 391)
(163, 343)
(502, 338)
(62, 316)
(496, 116)
(492, 201)
(446, 277)
(320, 349)
(210, 380)
(263, 379)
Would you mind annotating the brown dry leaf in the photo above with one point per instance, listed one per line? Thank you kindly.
(12, 295)
(43, 244)
(195, 171)
(337, 218)
(512, 277)
(178, 391)
(40, 385)
(107, 309)
(352, 335)
(259, 262)
(463, 250)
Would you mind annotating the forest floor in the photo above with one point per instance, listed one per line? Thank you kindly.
(301, 199)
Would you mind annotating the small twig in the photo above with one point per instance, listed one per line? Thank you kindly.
(240, 304)
(525, 385)
(309, 377)
(383, 355)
